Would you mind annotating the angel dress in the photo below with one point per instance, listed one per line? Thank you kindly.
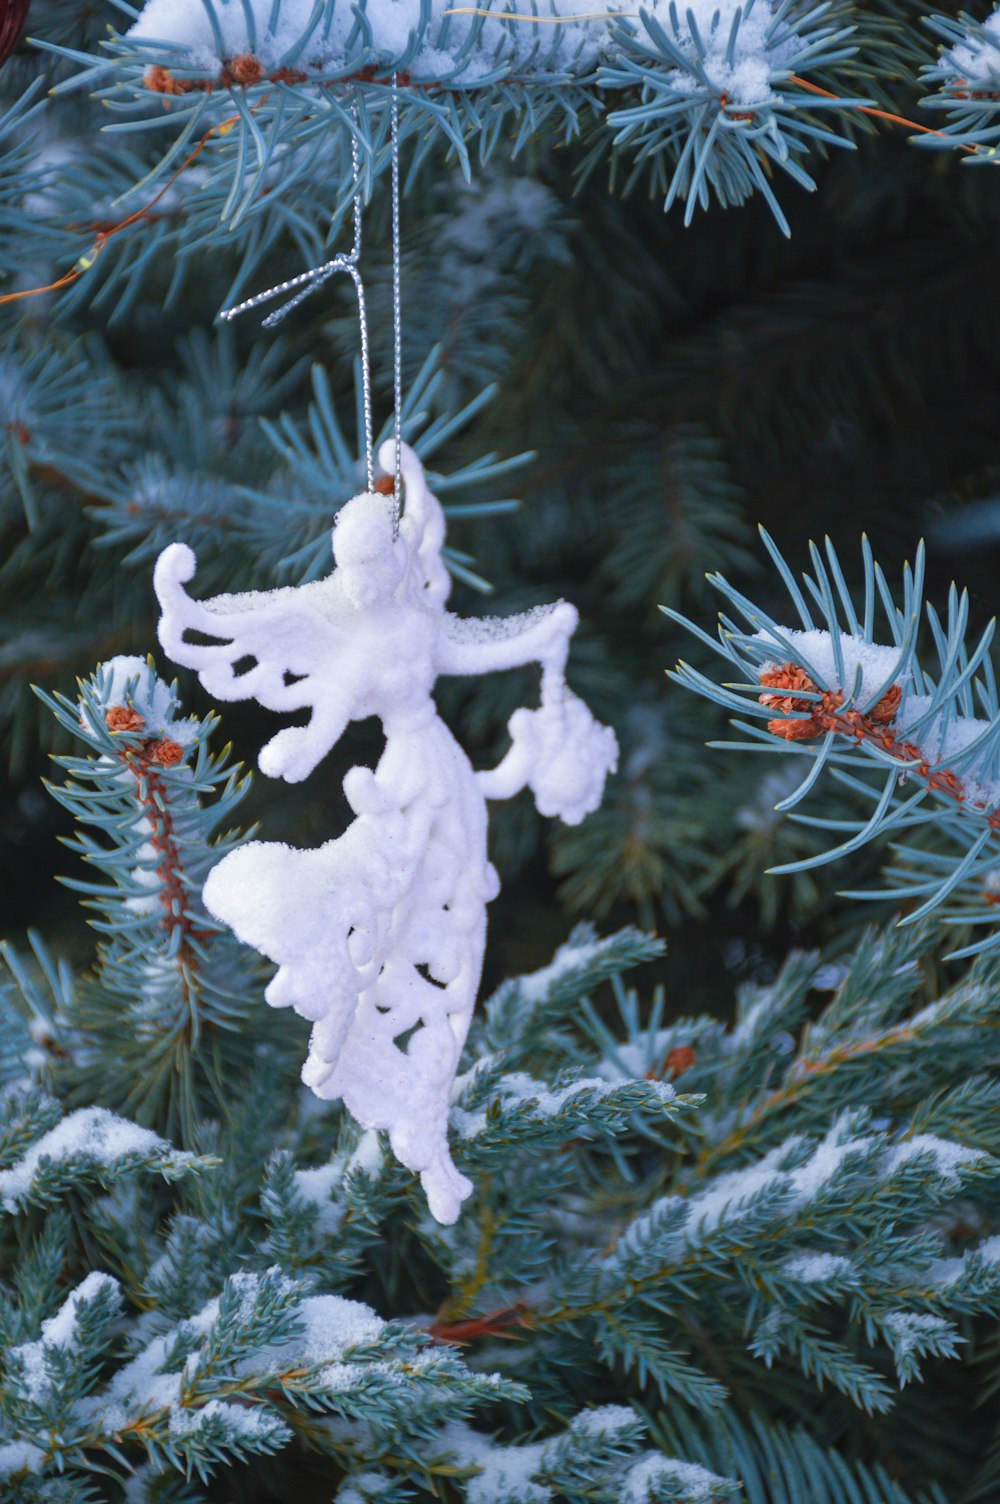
(379, 934)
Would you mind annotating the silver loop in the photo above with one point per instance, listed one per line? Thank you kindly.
(397, 319)
(306, 283)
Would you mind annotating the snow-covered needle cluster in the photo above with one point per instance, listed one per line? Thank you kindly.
(966, 77)
(925, 766)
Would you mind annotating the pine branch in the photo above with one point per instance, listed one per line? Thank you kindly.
(686, 97)
(845, 701)
(168, 978)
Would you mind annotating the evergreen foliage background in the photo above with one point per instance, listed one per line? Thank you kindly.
(666, 387)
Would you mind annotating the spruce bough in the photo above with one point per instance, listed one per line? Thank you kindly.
(682, 1231)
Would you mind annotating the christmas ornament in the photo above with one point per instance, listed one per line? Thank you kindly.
(378, 935)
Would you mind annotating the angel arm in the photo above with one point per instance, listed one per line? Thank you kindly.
(482, 645)
(271, 646)
(558, 751)
(511, 774)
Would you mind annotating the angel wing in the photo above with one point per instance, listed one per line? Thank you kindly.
(295, 648)
(286, 648)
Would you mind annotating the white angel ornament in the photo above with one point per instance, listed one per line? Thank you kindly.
(378, 935)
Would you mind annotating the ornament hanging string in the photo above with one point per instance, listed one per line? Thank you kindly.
(307, 282)
(397, 317)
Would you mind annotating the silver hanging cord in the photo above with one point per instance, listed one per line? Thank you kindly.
(397, 320)
(306, 284)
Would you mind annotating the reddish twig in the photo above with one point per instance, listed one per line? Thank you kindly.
(102, 236)
(143, 762)
(245, 70)
(680, 1059)
(867, 109)
(493, 1324)
(819, 717)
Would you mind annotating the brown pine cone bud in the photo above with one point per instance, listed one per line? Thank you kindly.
(167, 753)
(124, 718)
(245, 69)
(680, 1059)
(794, 731)
(790, 677)
(885, 710)
(159, 80)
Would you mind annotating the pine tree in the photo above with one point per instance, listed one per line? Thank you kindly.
(713, 1251)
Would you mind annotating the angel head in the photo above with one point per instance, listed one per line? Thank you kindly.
(370, 559)
(422, 526)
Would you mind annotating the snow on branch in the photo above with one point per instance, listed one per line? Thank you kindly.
(823, 1203)
(600, 1444)
(525, 1111)
(89, 1144)
(656, 1479)
(220, 1385)
(794, 1179)
(754, 1225)
(439, 42)
(523, 1006)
